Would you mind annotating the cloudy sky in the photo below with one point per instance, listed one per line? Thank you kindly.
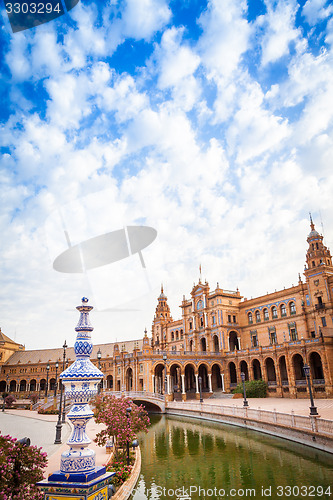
(209, 121)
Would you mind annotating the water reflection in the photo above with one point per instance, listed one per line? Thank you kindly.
(185, 454)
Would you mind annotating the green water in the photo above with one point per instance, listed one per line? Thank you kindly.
(181, 455)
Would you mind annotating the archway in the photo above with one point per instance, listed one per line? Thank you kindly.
(12, 386)
(159, 371)
(244, 369)
(316, 365)
(129, 379)
(204, 378)
(233, 374)
(298, 365)
(23, 385)
(42, 384)
(256, 369)
(203, 344)
(109, 382)
(190, 379)
(270, 368)
(175, 378)
(216, 377)
(216, 343)
(233, 341)
(283, 370)
(52, 384)
(3, 386)
(33, 385)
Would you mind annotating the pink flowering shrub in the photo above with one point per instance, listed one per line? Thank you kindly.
(20, 468)
(122, 472)
(111, 411)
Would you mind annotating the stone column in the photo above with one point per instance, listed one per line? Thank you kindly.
(153, 382)
(222, 377)
(183, 387)
(210, 382)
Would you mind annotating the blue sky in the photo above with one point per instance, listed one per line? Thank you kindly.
(208, 121)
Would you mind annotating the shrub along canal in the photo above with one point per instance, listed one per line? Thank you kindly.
(185, 458)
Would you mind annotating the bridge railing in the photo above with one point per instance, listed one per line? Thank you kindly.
(135, 394)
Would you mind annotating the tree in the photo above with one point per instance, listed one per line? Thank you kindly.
(21, 467)
(9, 400)
(121, 426)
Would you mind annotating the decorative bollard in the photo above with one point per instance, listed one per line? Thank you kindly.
(78, 477)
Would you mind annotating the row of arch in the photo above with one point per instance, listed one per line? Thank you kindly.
(282, 374)
(271, 313)
(28, 386)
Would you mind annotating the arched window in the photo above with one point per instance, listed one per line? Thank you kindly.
(177, 335)
(201, 322)
(250, 318)
(258, 319)
(274, 312)
(292, 308)
(190, 325)
(172, 336)
(266, 315)
(283, 310)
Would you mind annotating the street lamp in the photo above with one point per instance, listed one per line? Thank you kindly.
(59, 425)
(99, 356)
(55, 387)
(64, 405)
(165, 374)
(128, 412)
(200, 389)
(243, 380)
(47, 378)
(313, 408)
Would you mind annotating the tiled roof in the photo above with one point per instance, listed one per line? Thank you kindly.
(52, 355)
(4, 338)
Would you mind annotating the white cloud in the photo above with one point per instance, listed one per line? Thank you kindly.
(315, 10)
(280, 30)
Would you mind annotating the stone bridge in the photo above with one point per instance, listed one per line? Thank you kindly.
(152, 401)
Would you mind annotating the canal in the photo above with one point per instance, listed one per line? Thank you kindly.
(185, 458)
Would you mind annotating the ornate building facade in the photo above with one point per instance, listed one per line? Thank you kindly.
(219, 335)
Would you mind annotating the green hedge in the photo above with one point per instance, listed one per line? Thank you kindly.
(254, 389)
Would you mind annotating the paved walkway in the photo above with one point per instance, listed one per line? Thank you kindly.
(41, 431)
(282, 405)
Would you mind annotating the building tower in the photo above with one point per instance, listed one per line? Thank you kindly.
(161, 319)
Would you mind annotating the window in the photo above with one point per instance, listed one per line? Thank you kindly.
(141, 368)
(283, 310)
(234, 319)
(213, 320)
(258, 319)
(190, 324)
(272, 336)
(254, 338)
(181, 334)
(177, 335)
(229, 318)
(200, 304)
(172, 336)
(292, 331)
(293, 308)
(313, 334)
(250, 318)
(317, 247)
(323, 321)
(274, 312)
(266, 315)
(313, 263)
(201, 322)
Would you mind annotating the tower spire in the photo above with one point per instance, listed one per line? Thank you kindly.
(311, 223)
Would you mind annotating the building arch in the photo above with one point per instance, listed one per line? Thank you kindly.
(232, 374)
(298, 365)
(316, 366)
(256, 367)
(270, 370)
(274, 313)
(190, 385)
(158, 373)
(33, 385)
(42, 385)
(233, 341)
(203, 373)
(216, 343)
(52, 384)
(109, 382)
(12, 386)
(23, 385)
(3, 386)
(283, 370)
(175, 377)
(216, 377)
(129, 379)
(244, 369)
(257, 316)
(203, 344)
